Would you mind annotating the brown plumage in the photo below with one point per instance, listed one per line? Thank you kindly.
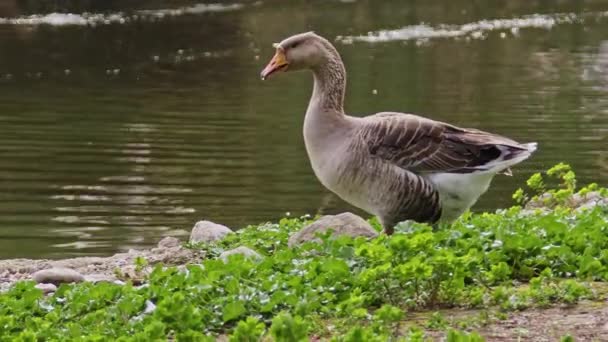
(396, 166)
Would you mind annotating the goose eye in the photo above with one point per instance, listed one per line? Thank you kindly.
(294, 45)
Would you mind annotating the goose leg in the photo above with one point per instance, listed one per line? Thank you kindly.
(389, 225)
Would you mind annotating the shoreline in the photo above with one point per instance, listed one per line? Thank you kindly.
(170, 251)
(97, 269)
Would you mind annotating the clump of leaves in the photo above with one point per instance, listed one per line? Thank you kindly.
(249, 330)
(567, 338)
(437, 321)
(562, 193)
(286, 328)
(459, 336)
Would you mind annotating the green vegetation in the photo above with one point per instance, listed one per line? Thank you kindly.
(342, 289)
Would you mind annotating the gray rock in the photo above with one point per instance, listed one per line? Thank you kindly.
(99, 277)
(46, 288)
(206, 231)
(168, 242)
(577, 201)
(534, 212)
(57, 276)
(590, 203)
(246, 251)
(341, 224)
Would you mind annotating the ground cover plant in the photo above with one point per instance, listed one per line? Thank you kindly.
(345, 289)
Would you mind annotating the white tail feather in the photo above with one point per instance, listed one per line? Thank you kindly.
(507, 159)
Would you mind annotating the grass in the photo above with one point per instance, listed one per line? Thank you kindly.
(342, 289)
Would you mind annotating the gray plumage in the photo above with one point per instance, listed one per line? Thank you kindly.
(393, 165)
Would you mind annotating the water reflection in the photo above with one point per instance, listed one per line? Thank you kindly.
(115, 135)
(127, 201)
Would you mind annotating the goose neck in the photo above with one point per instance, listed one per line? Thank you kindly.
(329, 86)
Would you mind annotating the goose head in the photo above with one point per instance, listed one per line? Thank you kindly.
(300, 51)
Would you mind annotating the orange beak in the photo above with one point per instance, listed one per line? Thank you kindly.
(277, 63)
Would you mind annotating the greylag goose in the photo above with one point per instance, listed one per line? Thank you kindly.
(393, 165)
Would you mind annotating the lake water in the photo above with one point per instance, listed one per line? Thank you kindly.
(130, 120)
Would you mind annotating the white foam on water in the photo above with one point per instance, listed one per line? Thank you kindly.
(55, 19)
(474, 30)
(195, 9)
(84, 19)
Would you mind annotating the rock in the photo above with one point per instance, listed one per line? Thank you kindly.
(534, 212)
(206, 231)
(150, 307)
(57, 276)
(99, 277)
(46, 288)
(590, 205)
(342, 224)
(539, 202)
(168, 242)
(246, 251)
(577, 201)
(136, 275)
(588, 201)
(77, 262)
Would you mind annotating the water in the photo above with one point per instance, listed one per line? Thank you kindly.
(125, 121)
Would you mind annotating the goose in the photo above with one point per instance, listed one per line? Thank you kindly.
(395, 166)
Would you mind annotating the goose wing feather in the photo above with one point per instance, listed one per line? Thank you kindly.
(426, 146)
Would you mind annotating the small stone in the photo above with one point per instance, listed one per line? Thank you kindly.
(207, 231)
(136, 275)
(168, 242)
(46, 288)
(183, 269)
(57, 276)
(245, 251)
(341, 224)
(150, 307)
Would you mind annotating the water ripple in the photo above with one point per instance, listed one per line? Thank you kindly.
(93, 19)
(474, 30)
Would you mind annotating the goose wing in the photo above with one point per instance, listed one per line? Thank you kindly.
(425, 146)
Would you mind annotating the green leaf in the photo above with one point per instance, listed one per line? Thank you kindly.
(233, 310)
